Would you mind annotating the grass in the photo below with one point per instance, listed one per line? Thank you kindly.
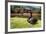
(17, 22)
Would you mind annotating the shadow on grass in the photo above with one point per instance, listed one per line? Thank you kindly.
(17, 22)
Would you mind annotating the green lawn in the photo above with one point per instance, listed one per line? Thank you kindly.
(17, 22)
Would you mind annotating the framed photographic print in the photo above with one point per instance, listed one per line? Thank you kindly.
(25, 16)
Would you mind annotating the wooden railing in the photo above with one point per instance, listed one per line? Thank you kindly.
(24, 14)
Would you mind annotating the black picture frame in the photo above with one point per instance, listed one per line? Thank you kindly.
(6, 16)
